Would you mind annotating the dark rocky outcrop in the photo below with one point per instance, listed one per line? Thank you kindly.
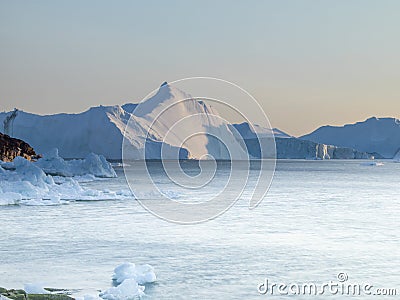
(11, 148)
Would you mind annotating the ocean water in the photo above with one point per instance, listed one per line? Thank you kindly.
(319, 219)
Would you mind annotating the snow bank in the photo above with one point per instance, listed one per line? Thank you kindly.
(23, 182)
(92, 164)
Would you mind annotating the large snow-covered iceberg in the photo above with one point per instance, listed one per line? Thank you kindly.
(147, 128)
(150, 128)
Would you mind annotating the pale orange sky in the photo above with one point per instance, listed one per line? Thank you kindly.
(309, 63)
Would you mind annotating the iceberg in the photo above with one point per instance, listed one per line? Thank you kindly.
(294, 148)
(96, 165)
(102, 129)
(127, 290)
(129, 279)
(141, 273)
(24, 182)
(380, 136)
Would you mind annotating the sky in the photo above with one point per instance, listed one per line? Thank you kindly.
(308, 63)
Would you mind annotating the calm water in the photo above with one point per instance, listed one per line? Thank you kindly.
(320, 218)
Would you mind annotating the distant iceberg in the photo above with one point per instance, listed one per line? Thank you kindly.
(380, 136)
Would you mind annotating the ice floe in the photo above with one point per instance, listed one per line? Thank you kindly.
(372, 164)
(92, 164)
(129, 280)
(128, 289)
(35, 288)
(26, 183)
(141, 273)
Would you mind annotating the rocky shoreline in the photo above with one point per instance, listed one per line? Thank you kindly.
(10, 148)
(22, 295)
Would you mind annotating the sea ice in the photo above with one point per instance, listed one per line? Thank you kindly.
(128, 289)
(92, 164)
(34, 288)
(24, 182)
(88, 297)
(373, 164)
(141, 273)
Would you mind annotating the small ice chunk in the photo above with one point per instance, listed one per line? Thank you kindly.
(89, 297)
(128, 289)
(141, 273)
(373, 164)
(35, 288)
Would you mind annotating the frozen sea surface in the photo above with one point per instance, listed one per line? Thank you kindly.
(319, 219)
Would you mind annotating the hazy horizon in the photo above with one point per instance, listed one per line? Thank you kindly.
(308, 63)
